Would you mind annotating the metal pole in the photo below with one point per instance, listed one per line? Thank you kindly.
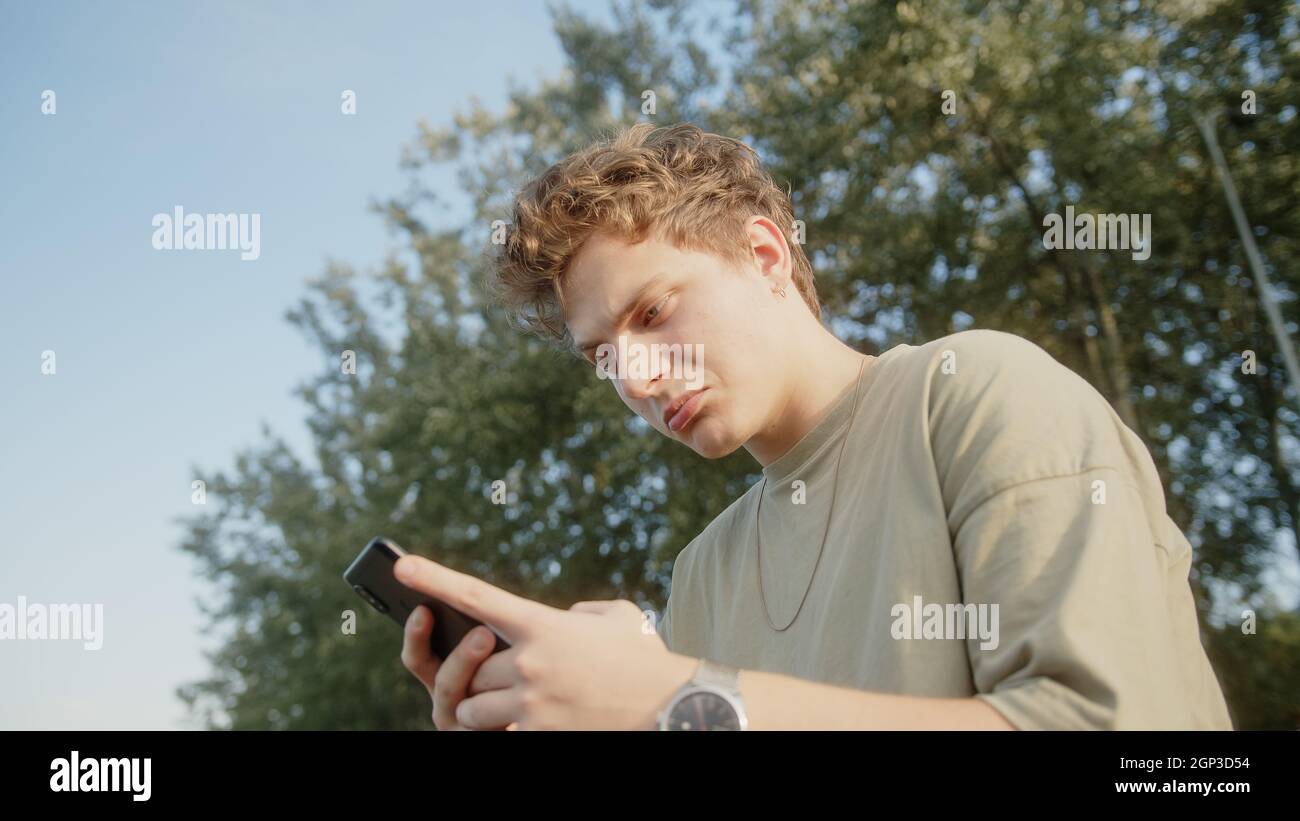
(1206, 124)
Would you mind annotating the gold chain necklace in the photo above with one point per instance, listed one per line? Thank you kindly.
(758, 520)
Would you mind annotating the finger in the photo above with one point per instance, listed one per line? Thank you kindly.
(513, 615)
(416, 655)
(497, 672)
(621, 609)
(592, 606)
(494, 710)
(457, 669)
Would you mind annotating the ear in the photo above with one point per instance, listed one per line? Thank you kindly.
(771, 252)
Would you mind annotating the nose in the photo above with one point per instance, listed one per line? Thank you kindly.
(644, 378)
(639, 388)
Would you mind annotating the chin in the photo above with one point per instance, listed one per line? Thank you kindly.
(710, 445)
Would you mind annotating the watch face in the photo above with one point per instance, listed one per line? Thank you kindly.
(703, 711)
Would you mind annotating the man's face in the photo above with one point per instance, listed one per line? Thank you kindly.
(656, 295)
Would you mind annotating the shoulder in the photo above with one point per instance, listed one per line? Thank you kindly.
(981, 378)
(979, 353)
(964, 364)
(1000, 410)
(984, 377)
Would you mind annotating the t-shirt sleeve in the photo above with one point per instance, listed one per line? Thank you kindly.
(682, 625)
(1051, 513)
(662, 628)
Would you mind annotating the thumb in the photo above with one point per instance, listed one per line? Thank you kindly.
(416, 653)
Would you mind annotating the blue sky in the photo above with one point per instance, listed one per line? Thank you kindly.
(170, 360)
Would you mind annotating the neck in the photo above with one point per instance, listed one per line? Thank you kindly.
(819, 371)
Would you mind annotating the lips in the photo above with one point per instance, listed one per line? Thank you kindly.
(682, 409)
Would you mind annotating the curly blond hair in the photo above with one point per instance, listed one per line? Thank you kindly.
(694, 189)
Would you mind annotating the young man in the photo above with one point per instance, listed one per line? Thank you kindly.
(956, 535)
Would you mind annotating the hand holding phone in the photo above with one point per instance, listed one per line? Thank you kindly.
(371, 576)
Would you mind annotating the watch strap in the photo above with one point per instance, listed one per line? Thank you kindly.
(722, 676)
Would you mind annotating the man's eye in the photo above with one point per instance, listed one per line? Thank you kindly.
(657, 309)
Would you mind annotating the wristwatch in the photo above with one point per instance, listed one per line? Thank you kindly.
(709, 701)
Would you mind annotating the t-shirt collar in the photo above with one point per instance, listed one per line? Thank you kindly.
(826, 430)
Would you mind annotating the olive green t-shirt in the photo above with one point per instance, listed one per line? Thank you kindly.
(995, 531)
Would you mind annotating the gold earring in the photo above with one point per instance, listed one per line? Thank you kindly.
(781, 293)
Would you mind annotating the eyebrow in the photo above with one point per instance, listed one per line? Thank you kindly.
(631, 306)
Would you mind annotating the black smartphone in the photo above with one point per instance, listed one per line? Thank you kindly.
(371, 576)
